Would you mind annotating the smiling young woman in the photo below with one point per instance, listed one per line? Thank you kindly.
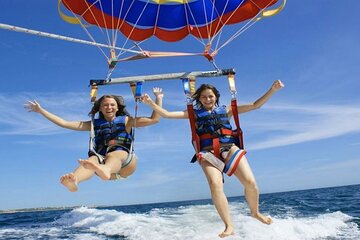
(212, 123)
(110, 158)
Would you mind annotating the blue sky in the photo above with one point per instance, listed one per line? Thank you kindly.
(306, 136)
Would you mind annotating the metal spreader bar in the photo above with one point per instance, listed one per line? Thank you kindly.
(166, 76)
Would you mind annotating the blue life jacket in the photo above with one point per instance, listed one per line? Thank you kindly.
(215, 124)
(108, 134)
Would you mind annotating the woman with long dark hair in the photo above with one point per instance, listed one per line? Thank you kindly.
(212, 121)
(111, 157)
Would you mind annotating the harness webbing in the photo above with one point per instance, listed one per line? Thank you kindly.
(137, 91)
(195, 138)
(239, 132)
(100, 157)
(92, 143)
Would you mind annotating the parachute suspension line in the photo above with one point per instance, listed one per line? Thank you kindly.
(187, 19)
(207, 45)
(119, 23)
(200, 40)
(138, 46)
(113, 29)
(238, 33)
(216, 32)
(105, 32)
(214, 64)
(209, 53)
(118, 27)
(208, 26)
(141, 52)
(219, 33)
(255, 19)
(137, 20)
(156, 18)
(85, 28)
(112, 59)
(122, 22)
(196, 26)
(117, 30)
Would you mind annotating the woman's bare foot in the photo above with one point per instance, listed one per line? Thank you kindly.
(99, 169)
(264, 219)
(227, 232)
(69, 181)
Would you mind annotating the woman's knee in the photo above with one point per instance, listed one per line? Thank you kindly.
(130, 168)
(216, 186)
(250, 183)
(93, 159)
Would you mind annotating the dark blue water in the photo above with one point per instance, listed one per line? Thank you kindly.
(328, 213)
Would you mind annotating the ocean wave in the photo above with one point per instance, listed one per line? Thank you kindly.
(195, 222)
(202, 222)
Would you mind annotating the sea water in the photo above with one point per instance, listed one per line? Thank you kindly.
(327, 213)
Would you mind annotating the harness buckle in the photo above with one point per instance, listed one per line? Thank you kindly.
(111, 142)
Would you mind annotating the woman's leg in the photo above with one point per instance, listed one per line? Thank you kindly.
(215, 181)
(113, 161)
(71, 180)
(245, 175)
(130, 168)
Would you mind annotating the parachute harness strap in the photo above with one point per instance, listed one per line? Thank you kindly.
(93, 95)
(136, 88)
(234, 110)
(137, 91)
(189, 90)
(91, 142)
(93, 92)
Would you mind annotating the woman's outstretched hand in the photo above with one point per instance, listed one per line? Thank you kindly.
(158, 92)
(32, 106)
(277, 85)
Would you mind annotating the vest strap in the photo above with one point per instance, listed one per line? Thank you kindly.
(223, 131)
(216, 147)
(237, 122)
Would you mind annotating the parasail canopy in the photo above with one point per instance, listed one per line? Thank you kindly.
(168, 20)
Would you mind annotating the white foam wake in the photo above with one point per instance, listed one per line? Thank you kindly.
(202, 223)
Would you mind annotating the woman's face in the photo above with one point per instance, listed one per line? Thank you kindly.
(108, 108)
(208, 99)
